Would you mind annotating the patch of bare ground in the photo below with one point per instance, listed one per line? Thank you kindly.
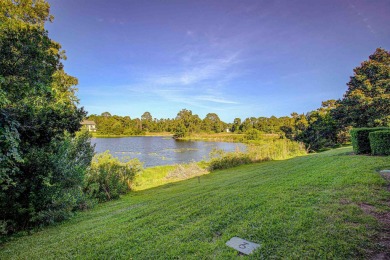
(383, 239)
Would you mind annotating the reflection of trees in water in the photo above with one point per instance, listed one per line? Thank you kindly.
(154, 151)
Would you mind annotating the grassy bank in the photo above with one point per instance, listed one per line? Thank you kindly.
(277, 149)
(304, 207)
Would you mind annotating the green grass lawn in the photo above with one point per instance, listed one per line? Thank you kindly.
(305, 207)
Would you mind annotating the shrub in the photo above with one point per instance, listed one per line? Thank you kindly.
(360, 140)
(53, 190)
(253, 134)
(108, 177)
(380, 142)
(229, 160)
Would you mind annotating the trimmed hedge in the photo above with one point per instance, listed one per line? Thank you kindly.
(360, 141)
(380, 142)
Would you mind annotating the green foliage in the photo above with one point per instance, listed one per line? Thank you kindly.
(108, 177)
(257, 151)
(10, 155)
(360, 139)
(253, 134)
(180, 131)
(274, 149)
(236, 125)
(48, 184)
(307, 207)
(229, 160)
(212, 123)
(380, 142)
(367, 100)
(318, 129)
(32, 12)
(191, 123)
(42, 163)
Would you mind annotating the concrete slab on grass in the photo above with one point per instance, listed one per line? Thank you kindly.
(384, 172)
(242, 245)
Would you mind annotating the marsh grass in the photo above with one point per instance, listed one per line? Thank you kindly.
(257, 151)
(219, 137)
(306, 207)
(275, 149)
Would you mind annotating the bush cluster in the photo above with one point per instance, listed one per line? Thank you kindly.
(51, 188)
(253, 134)
(360, 139)
(380, 142)
(108, 177)
(229, 160)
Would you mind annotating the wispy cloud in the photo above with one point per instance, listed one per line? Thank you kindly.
(362, 18)
(198, 78)
(205, 70)
(199, 74)
(215, 100)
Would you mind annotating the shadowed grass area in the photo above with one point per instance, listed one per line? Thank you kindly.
(305, 207)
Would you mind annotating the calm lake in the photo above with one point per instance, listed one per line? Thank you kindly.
(156, 150)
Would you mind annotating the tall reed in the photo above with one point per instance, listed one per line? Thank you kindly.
(257, 151)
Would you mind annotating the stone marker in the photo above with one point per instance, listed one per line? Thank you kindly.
(242, 245)
(384, 171)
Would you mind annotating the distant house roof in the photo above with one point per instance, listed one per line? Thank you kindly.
(87, 122)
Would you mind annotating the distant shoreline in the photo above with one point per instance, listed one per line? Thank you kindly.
(159, 134)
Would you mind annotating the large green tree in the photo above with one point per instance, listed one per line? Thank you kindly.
(320, 129)
(41, 162)
(212, 123)
(187, 122)
(367, 100)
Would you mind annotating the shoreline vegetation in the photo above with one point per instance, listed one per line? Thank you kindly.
(205, 137)
(162, 134)
(256, 152)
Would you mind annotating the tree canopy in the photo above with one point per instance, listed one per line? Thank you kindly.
(367, 99)
(41, 162)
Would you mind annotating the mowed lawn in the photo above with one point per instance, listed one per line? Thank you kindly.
(305, 207)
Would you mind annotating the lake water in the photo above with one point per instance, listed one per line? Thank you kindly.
(156, 150)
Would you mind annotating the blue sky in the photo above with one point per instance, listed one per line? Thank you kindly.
(233, 58)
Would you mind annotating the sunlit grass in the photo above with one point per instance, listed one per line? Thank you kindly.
(305, 207)
(152, 177)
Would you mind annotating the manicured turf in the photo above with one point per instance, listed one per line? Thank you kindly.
(305, 207)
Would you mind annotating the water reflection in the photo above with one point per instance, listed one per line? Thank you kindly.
(155, 150)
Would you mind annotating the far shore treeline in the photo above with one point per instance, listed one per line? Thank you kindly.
(186, 123)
